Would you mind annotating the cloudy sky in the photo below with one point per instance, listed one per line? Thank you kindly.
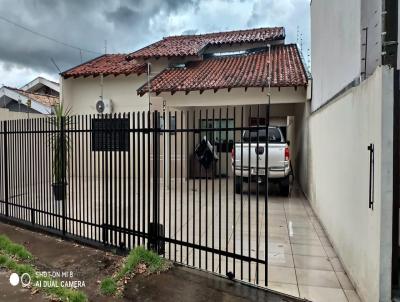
(125, 25)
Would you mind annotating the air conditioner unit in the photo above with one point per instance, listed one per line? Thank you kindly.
(104, 106)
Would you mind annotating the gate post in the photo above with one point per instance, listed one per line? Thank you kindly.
(155, 229)
(64, 160)
(5, 167)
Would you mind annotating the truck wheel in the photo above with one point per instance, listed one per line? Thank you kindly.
(284, 186)
(238, 185)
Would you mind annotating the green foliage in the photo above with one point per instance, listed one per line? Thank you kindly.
(108, 286)
(11, 248)
(24, 268)
(138, 255)
(3, 260)
(154, 262)
(60, 142)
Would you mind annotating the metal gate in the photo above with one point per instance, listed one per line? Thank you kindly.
(163, 180)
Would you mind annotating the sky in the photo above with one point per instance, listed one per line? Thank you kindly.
(79, 30)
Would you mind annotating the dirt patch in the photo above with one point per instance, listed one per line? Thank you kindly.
(16, 293)
(55, 255)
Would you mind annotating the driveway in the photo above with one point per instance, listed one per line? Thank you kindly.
(301, 260)
(207, 213)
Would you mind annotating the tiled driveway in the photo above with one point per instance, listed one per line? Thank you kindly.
(302, 262)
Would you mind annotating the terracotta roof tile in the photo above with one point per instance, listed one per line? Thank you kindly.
(192, 45)
(109, 64)
(248, 70)
(44, 99)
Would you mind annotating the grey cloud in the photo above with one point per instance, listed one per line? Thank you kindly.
(126, 25)
(86, 24)
(190, 32)
(123, 15)
(288, 13)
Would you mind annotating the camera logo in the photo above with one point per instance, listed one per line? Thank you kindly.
(25, 279)
(14, 279)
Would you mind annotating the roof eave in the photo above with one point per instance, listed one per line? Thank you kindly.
(84, 63)
(141, 91)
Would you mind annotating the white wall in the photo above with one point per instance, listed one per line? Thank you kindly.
(335, 46)
(301, 148)
(371, 17)
(81, 93)
(6, 115)
(339, 180)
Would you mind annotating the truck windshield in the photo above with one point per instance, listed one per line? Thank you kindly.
(274, 136)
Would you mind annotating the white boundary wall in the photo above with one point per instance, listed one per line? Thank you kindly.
(338, 173)
(6, 115)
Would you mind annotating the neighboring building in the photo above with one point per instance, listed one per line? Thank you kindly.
(43, 86)
(37, 97)
(353, 132)
(352, 37)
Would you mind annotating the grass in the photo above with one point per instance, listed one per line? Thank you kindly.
(108, 286)
(11, 248)
(8, 249)
(139, 255)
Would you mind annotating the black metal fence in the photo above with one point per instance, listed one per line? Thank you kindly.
(165, 181)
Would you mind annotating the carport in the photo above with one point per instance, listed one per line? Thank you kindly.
(300, 259)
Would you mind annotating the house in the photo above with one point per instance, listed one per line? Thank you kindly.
(43, 86)
(109, 76)
(198, 73)
(36, 97)
(352, 171)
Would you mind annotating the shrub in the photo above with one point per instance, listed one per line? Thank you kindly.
(108, 286)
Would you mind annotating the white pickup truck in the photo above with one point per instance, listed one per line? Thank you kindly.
(246, 154)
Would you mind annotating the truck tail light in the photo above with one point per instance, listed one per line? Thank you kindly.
(233, 154)
(287, 155)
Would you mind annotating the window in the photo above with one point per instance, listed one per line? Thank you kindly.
(274, 136)
(110, 134)
(172, 123)
(223, 139)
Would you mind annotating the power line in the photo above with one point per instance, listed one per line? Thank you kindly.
(47, 37)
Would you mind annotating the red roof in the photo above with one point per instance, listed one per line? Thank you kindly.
(192, 45)
(109, 64)
(248, 70)
(44, 99)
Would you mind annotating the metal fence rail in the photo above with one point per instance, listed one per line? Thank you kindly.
(135, 179)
